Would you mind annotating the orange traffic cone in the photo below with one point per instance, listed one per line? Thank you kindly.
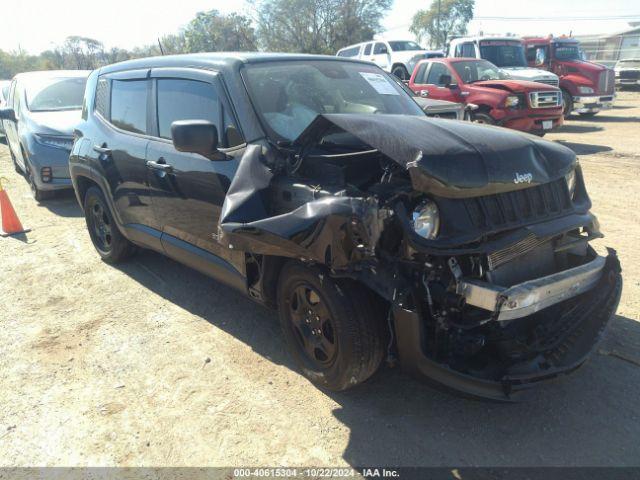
(10, 223)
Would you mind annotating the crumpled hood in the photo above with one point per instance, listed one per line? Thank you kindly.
(55, 123)
(527, 73)
(451, 158)
(515, 86)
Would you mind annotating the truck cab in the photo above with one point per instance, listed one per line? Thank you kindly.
(504, 52)
(587, 87)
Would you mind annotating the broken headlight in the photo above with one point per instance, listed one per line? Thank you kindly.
(426, 219)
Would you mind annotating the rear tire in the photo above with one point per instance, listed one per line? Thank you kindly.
(567, 104)
(107, 239)
(401, 72)
(334, 329)
(588, 114)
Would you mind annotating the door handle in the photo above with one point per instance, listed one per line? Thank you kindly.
(103, 150)
(424, 93)
(161, 167)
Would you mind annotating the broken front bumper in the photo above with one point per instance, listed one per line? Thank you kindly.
(596, 307)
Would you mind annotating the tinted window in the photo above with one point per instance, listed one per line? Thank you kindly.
(186, 100)
(402, 46)
(367, 49)
(129, 105)
(102, 97)
(420, 74)
(503, 53)
(53, 94)
(349, 52)
(379, 48)
(436, 71)
(468, 50)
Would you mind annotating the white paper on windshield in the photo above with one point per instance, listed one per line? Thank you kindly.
(380, 83)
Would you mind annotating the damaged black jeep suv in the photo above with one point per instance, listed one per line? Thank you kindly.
(317, 185)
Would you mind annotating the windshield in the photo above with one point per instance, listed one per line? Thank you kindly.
(503, 53)
(53, 94)
(568, 52)
(289, 95)
(478, 70)
(404, 46)
(628, 64)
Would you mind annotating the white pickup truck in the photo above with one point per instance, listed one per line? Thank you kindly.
(504, 52)
(398, 57)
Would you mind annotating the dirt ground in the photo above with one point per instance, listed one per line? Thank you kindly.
(153, 364)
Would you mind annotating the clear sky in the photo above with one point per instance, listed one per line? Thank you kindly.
(37, 25)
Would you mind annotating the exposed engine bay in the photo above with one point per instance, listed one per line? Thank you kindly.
(481, 248)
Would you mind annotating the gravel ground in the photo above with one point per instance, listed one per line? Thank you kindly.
(153, 364)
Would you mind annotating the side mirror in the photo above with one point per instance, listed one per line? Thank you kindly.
(195, 136)
(8, 114)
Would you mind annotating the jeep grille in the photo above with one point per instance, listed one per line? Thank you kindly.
(536, 203)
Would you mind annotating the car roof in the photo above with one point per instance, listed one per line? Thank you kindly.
(53, 74)
(478, 38)
(230, 61)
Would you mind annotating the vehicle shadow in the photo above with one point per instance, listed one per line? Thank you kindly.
(573, 128)
(588, 418)
(606, 119)
(63, 204)
(253, 324)
(584, 148)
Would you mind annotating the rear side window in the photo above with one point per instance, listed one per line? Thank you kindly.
(420, 74)
(102, 98)
(129, 105)
(349, 52)
(180, 99)
(380, 48)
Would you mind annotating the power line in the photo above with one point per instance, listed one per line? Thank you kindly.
(559, 18)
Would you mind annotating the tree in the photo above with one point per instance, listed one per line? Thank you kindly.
(453, 19)
(317, 26)
(212, 32)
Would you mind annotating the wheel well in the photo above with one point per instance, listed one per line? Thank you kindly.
(399, 65)
(482, 108)
(82, 185)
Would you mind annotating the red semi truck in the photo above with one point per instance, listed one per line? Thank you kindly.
(587, 87)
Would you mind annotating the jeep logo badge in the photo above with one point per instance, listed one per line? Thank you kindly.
(522, 178)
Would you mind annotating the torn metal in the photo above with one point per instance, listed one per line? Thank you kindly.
(488, 303)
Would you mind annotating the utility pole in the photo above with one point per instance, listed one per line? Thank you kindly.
(438, 46)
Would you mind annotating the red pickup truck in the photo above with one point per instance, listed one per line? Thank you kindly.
(527, 106)
(587, 87)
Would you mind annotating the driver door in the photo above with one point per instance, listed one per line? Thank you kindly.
(188, 189)
(432, 85)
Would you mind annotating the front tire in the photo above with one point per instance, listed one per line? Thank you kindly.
(332, 327)
(483, 118)
(401, 72)
(567, 103)
(111, 245)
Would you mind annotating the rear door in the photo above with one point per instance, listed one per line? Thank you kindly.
(380, 55)
(188, 189)
(119, 146)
